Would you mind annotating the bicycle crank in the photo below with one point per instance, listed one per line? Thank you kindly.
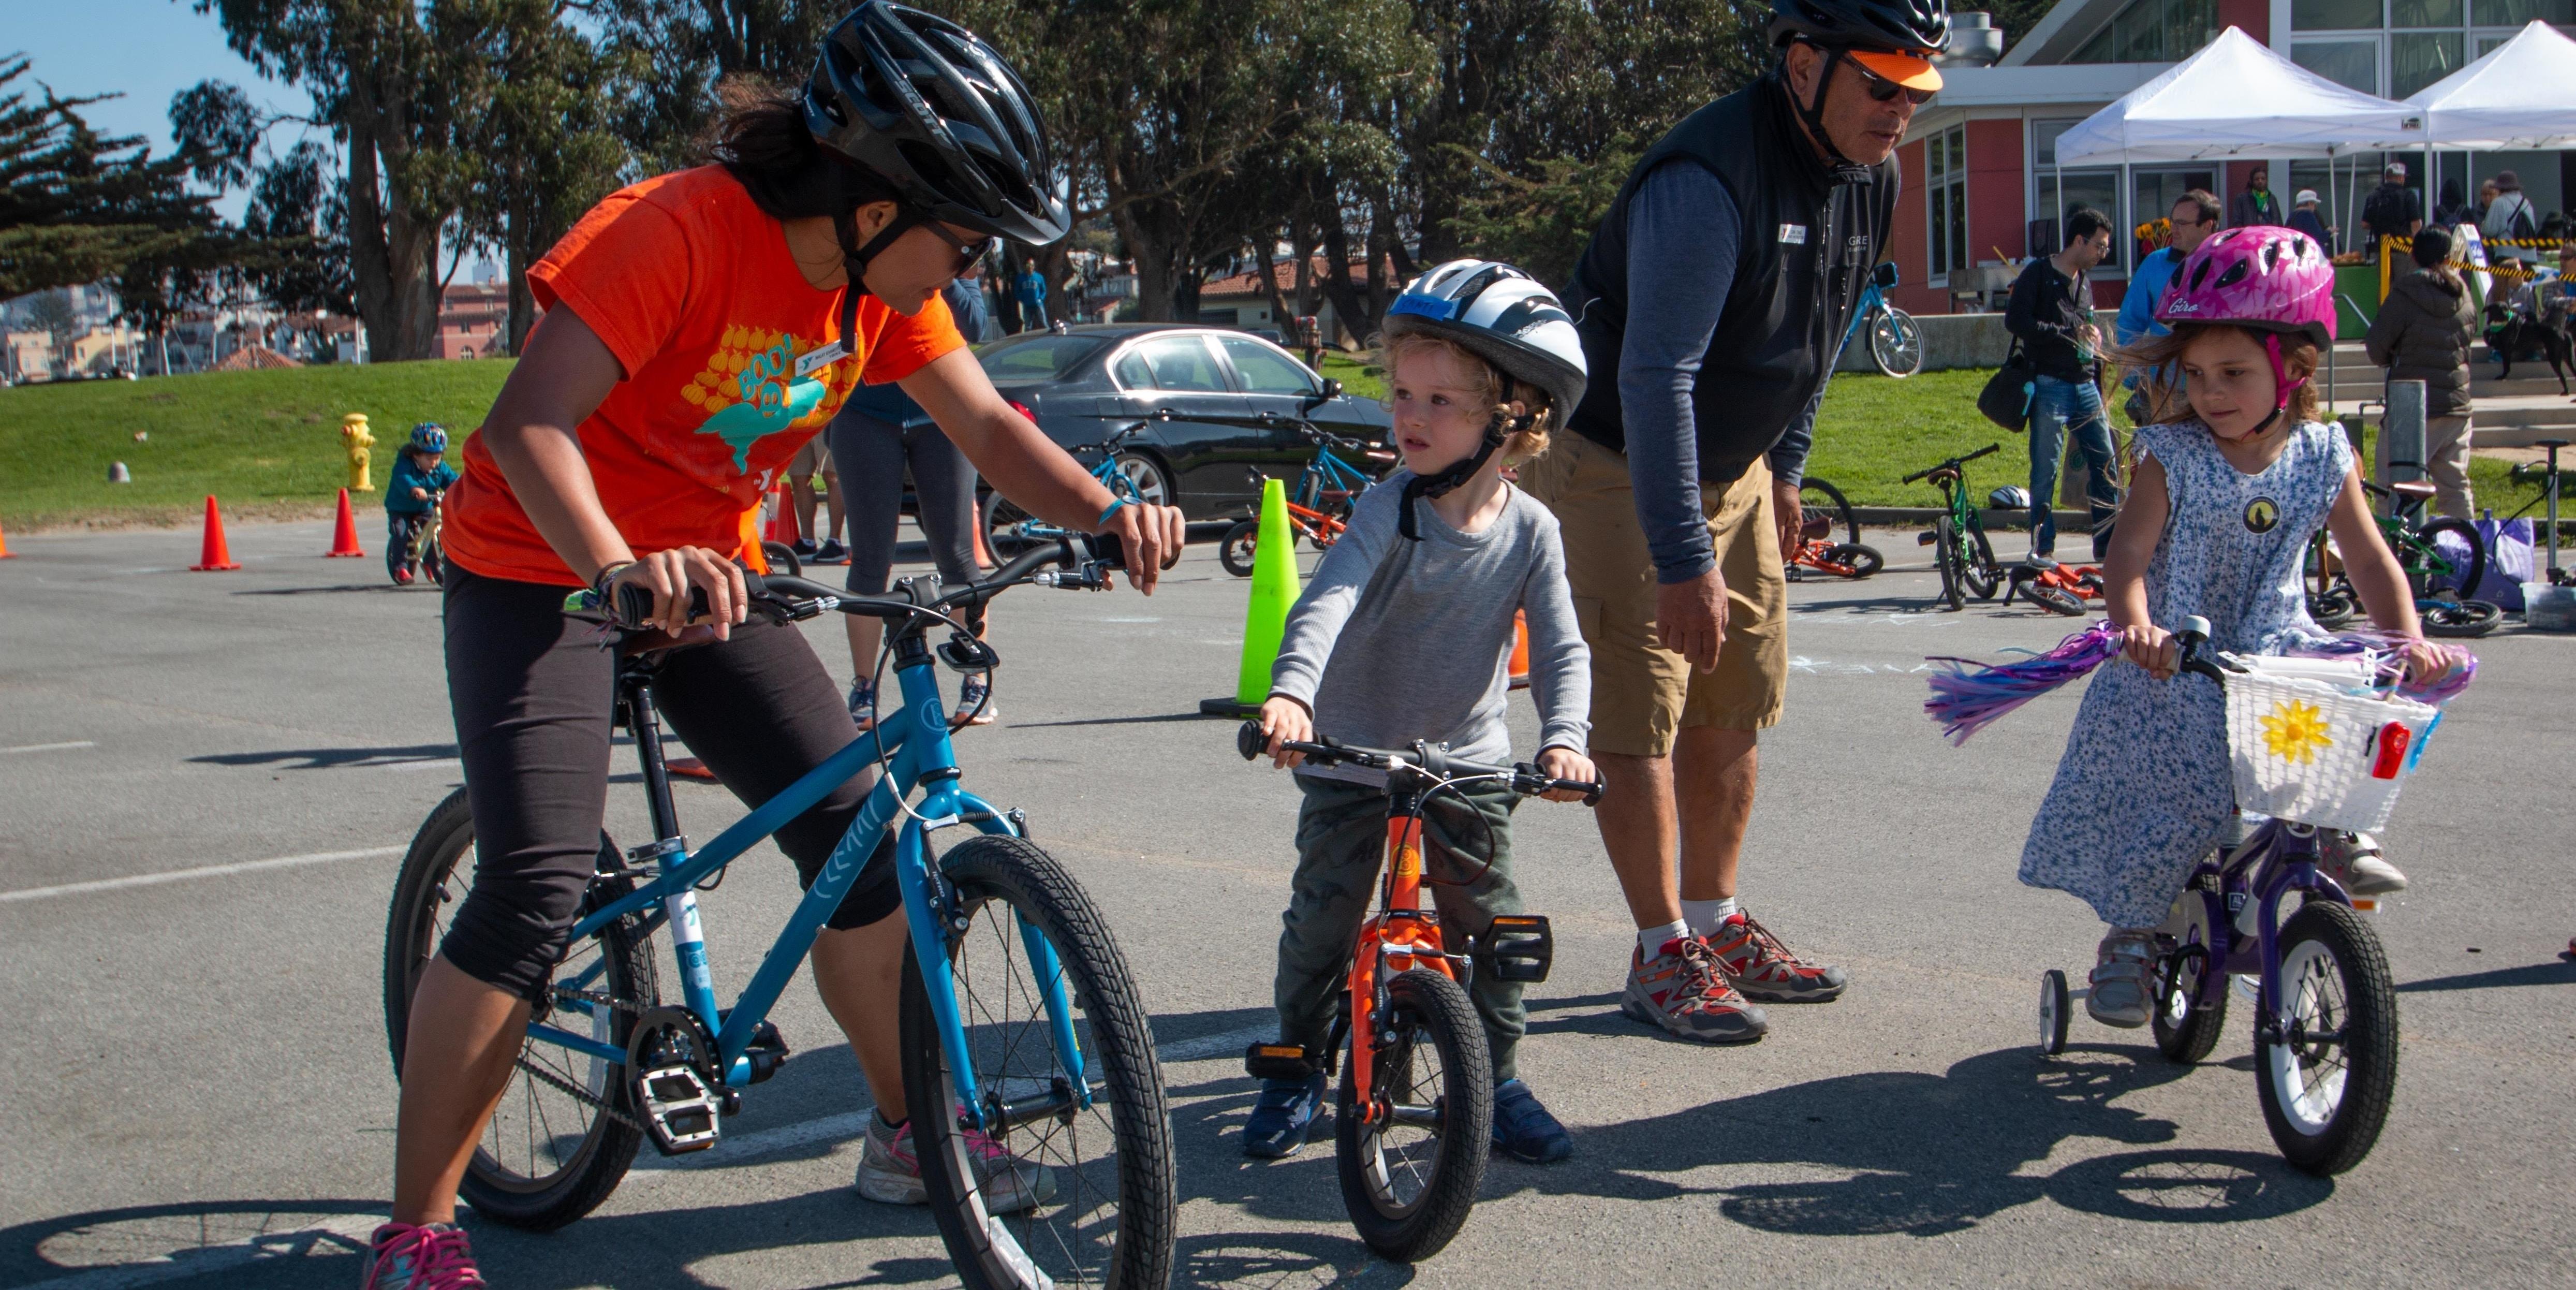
(671, 1077)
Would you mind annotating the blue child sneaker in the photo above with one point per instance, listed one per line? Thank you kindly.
(1283, 1117)
(1523, 1129)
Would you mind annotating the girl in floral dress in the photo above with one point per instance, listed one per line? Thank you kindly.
(2231, 482)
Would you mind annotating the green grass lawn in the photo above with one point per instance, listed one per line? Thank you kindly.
(263, 443)
(268, 443)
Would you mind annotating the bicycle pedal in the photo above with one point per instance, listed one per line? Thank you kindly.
(1280, 1062)
(1926, 539)
(1517, 947)
(679, 1109)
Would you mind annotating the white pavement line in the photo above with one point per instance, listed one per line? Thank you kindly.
(184, 875)
(207, 1260)
(63, 747)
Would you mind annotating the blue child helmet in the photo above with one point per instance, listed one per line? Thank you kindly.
(429, 436)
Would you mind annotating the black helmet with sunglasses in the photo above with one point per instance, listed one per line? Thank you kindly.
(1892, 42)
(935, 112)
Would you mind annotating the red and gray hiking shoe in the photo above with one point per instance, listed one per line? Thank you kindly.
(1682, 991)
(430, 1257)
(1759, 965)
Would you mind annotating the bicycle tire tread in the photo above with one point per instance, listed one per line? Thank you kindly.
(2370, 1081)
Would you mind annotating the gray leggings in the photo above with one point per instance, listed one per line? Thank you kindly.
(871, 455)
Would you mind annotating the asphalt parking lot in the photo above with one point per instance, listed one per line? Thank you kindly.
(206, 781)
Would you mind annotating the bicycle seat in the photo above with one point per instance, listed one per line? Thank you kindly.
(1816, 527)
(2416, 489)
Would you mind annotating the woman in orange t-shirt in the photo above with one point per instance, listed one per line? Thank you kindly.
(687, 352)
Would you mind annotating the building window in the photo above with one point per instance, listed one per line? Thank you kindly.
(2351, 63)
(2152, 31)
(1946, 184)
(2334, 15)
(2515, 13)
(2419, 58)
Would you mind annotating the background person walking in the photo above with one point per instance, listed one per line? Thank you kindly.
(1711, 302)
(2423, 333)
(2052, 313)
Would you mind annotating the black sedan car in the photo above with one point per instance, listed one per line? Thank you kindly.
(1216, 404)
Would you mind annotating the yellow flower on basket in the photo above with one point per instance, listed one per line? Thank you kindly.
(2295, 731)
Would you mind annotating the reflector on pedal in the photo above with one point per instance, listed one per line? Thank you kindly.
(1278, 1061)
(1926, 539)
(678, 1108)
(1517, 947)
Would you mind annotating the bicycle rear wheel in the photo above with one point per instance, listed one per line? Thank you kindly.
(2458, 619)
(1982, 574)
(1895, 343)
(1410, 1176)
(2459, 577)
(1108, 1217)
(1821, 500)
(563, 1134)
(1235, 549)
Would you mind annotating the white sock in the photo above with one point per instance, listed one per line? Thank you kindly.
(1650, 940)
(1704, 915)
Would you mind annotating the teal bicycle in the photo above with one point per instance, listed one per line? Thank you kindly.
(1018, 1012)
(1127, 476)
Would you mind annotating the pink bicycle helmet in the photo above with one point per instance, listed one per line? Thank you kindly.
(2264, 277)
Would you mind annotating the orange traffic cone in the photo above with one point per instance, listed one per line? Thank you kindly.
(782, 517)
(216, 555)
(4, 546)
(1520, 651)
(344, 535)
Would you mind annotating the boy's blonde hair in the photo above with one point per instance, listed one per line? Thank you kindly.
(1493, 386)
(2158, 363)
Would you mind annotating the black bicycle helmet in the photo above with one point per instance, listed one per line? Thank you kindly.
(936, 112)
(1896, 26)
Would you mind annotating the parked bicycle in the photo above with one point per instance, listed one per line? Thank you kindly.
(1825, 509)
(2325, 1028)
(1319, 506)
(1958, 538)
(1413, 1119)
(2443, 583)
(1125, 475)
(1019, 1014)
(2058, 588)
(1895, 339)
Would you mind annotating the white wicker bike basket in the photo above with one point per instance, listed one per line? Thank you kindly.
(2312, 742)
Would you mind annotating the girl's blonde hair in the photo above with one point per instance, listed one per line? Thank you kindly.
(1493, 386)
(2158, 362)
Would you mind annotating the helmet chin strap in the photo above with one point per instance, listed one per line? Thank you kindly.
(855, 259)
(2280, 380)
(1446, 481)
(1845, 169)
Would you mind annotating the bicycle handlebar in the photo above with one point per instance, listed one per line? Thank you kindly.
(1524, 778)
(783, 598)
(1952, 464)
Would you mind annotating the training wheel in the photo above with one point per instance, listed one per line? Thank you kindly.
(2052, 1012)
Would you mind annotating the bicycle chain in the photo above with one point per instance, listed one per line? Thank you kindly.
(543, 1076)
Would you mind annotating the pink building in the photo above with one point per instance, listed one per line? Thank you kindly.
(474, 320)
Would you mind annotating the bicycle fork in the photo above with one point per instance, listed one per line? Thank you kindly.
(1398, 939)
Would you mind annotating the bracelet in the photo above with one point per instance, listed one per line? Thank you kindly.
(1115, 504)
(607, 574)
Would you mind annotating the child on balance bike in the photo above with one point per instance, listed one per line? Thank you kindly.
(1405, 634)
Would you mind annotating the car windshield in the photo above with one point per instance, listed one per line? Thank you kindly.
(1036, 358)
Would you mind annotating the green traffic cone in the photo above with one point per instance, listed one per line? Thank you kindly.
(1265, 621)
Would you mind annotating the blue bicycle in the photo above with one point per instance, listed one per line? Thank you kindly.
(1320, 504)
(1018, 1012)
(1895, 341)
(1125, 475)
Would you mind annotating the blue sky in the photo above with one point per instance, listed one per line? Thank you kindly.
(147, 50)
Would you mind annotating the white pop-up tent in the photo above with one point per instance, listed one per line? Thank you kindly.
(2237, 99)
(2522, 94)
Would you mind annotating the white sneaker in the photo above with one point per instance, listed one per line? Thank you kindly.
(890, 1172)
(2354, 861)
(974, 704)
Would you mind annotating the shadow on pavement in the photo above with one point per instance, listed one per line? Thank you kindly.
(2562, 972)
(333, 758)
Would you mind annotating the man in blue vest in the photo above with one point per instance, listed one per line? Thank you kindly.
(1712, 303)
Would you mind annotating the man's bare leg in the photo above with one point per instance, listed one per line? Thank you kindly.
(1682, 994)
(1714, 770)
(1636, 821)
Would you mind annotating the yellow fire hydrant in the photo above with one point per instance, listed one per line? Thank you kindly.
(354, 436)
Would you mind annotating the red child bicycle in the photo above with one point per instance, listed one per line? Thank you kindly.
(1414, 1115)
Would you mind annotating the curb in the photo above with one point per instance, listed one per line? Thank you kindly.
(1995, 521)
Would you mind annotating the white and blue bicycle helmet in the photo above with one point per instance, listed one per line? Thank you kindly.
(1502, 315)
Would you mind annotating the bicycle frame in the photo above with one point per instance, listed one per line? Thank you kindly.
(1401, 936)
(915, 739)
(2271, 863)
(1871, 301)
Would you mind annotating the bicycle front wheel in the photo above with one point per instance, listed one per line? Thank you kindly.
(1235, 549)
(1410, 1174)
(1953, 563)
(564, 1132)
(1895, 342)
(1106, 1197)
(2325, 1083)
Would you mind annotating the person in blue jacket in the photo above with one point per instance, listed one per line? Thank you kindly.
(2195, 217)
(1032, 297)
(420, 475)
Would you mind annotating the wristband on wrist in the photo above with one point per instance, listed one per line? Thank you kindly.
(608, 572)
(1115, 504)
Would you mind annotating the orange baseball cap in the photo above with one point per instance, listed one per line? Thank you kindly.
(1913, 71)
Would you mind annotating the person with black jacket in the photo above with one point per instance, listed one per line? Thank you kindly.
(2423, 333)
(2051, 313)
(2392, 209)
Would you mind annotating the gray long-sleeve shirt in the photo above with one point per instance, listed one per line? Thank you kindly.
(1683, 235)
(1395, 641)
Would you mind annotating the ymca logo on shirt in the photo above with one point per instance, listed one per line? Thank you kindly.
(750, 390)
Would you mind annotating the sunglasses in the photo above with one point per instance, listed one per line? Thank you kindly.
(967, 252)
(1882, 90)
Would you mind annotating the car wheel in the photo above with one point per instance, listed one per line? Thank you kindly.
(1146, 476)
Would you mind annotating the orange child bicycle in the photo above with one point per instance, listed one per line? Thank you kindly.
(1413, 1115)
(1320, 501)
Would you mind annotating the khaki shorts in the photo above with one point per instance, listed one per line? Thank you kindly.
(811, 460)
(1641, 692)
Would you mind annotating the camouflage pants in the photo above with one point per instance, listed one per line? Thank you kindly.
(1341, 842)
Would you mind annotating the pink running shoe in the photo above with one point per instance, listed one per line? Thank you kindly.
(890, 1171)
(431, 1257)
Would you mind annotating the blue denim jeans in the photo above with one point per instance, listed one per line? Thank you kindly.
(2060, 409)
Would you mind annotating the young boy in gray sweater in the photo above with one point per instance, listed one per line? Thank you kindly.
(1406, 633)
